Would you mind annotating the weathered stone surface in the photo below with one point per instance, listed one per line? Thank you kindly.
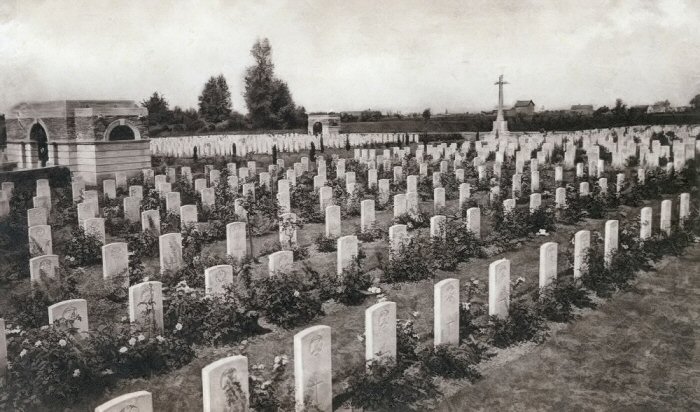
(218, 377)
(548, 263)
(380, 331)
(313, 386)
(499, 288)
(446, 310)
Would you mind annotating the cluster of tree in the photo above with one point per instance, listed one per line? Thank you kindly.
(368, 115)
(268, 100)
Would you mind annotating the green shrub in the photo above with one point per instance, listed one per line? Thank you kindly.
(71, 368)
(287, 299)
(523, 323)
(210, 320)
(454, 362)
(325, 244)
(557, 301)
(29, 305)
(352, 285)
(386, 386)
(411, 263)
(83, 249)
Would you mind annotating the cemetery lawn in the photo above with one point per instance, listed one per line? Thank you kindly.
(636, 351)
(181, 390)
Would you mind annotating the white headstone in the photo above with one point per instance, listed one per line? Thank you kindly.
(218, 381)
(380, 331)
(146, 306)
(236, 235)
(582, 242)
(170, 251)
(312, 369)
(499, 288)
(446, 310)
(548, 263)
(217, 278)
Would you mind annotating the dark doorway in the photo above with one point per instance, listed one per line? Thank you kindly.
(122, 133)
(38, 135)
(318, 128)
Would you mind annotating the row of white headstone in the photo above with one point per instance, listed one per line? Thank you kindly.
(312, 346)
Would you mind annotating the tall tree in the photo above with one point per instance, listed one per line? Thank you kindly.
(158, 110)
(695, 102)
(215, 101)
(270, 104)
(426, 114)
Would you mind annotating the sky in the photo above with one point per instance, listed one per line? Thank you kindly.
(352, 55)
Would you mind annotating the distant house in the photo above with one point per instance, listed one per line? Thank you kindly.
(660, 107)
(525, 107)
(582, 109)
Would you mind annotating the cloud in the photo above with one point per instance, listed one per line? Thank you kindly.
(351, 55)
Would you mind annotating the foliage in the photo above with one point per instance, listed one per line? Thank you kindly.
(287, 299)
(268, 391)
(371, 234)
(83, 249)
(454, 362)
(352, 285)
(556, 301)
(30, 304)
(269, 101)
(523, 323)
(208, 319)
(215, 100)
(71, 368)
(410, 263)
(325, 244)
(143, 244)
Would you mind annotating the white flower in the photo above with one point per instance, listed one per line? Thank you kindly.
(123, 349)
(160, 338)
(44, 327)
(278, 359)
(141, 338)
(62, 342)
(24, 352)
(178, 326)
(285, 360)
(466, 305)
(475, 281)
(265, 384)
(415, 314)
(244, 342)
(374, 290)
(76, 373)
(38, 343)
(132, 341)
(123, 318)
(360, 338)
(296, 294)
(107, 372)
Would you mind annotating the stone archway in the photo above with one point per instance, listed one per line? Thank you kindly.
(121, 130)
(38, 135)
(317, 128)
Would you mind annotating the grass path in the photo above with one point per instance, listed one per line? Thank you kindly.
(638, 351)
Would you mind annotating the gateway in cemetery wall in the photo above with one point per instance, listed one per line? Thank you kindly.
(94, 138)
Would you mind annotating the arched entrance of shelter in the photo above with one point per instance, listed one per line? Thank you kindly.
(38, 135)
(121, 130)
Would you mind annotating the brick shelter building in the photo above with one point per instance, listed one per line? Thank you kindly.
(94, 138)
